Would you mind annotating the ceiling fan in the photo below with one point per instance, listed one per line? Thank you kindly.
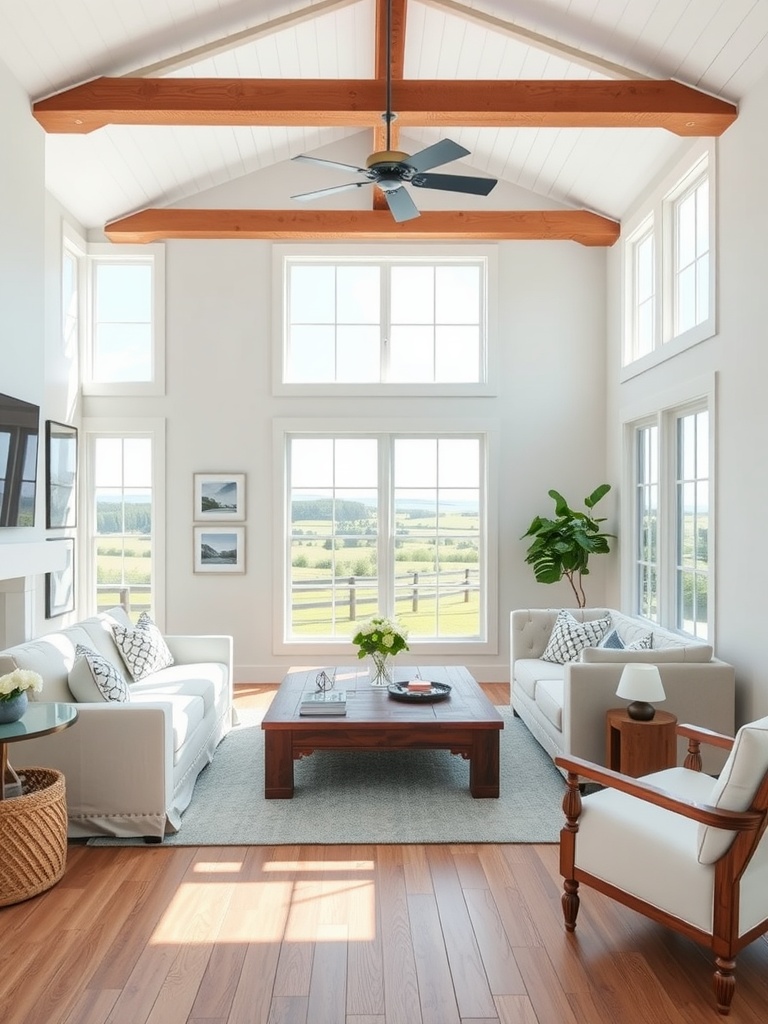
(389, 169)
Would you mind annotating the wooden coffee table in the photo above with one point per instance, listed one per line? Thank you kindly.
(466, 724)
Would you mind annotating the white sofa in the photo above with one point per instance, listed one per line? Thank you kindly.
(564, 706)
(130, 768)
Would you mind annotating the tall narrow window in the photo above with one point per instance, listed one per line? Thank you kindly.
(644, 295)
(692, 546)
(386, 524)
(647, 519)
(691, 256)
(122, 496)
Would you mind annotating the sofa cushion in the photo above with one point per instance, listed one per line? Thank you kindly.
(694, 653)
(529, 671)
(736, 786)
(143, 649)
(93, 678)
(187, 712)
(569, 637)
(208, 680)
(549, 699)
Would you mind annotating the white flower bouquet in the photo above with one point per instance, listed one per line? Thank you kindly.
(380, 636)
(14, 683)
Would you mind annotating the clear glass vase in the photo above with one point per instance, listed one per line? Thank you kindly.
(380, 669)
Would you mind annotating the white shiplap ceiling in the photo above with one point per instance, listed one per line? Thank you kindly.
(717, 46)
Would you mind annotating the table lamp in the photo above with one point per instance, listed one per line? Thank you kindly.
(641, 684)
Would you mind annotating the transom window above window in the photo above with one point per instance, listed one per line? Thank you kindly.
(372, 321)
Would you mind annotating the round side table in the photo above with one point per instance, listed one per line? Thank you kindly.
(639, 748)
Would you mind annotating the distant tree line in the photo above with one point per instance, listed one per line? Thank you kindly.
(116, 517)
(323, 509)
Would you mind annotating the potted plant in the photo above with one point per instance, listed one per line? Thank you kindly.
(562, 546)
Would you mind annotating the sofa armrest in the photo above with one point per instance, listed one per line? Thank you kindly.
(703, 692)
(116, 758)
(188, 650)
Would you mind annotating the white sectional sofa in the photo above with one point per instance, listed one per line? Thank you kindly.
(130, 767)
(564, 705)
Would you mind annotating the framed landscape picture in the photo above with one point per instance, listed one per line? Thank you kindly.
(219, 549)
(60, 585)
(60, 475)
(220, 496)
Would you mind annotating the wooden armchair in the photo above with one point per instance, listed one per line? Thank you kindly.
(679, 846)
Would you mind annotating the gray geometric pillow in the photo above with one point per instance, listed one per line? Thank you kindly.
(143, 649)
(569, 637)
(93, 678)
(612, 641)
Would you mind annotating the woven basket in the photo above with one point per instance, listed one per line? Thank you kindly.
(33, 836)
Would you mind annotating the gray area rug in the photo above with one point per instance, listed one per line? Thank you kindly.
(370, 797)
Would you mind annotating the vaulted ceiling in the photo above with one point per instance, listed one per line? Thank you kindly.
(148, 105)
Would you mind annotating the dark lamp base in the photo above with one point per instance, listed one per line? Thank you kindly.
(641, 711)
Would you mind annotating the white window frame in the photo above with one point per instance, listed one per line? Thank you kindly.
(74, 246)
(282, 254)
(99, 252)
(658, 208)
(445, 647)
(154, 428)
(695, 395)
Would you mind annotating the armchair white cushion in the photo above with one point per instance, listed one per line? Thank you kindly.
(681, 847)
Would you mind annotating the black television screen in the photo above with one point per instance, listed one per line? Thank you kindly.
(19, 429)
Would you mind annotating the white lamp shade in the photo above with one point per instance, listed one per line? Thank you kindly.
(641, 682)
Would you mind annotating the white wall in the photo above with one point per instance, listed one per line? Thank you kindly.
(220, 409)
(739, 358)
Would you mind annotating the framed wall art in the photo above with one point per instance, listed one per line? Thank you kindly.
(219, 549)
(60, 585)
(60, 475)
(220, 497)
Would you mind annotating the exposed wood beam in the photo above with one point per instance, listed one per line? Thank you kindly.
(248, 35)
(540, 42)
(397, 62)
(324, 102)
(364, 225)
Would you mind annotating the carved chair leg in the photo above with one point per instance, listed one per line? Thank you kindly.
(570, 901)
(725, 984)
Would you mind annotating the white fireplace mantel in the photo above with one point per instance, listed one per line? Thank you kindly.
(30, 558)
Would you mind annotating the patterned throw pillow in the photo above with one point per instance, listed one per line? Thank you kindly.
(612, 641)
(644, 643)
(93, 678)
(143, 649)
(569, 637)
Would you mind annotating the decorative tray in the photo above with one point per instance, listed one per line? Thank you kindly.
(400, 691)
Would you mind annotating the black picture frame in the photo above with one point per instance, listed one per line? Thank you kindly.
(60, 475)
(60, 584)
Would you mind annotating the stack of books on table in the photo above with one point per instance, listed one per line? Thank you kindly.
(328, 702)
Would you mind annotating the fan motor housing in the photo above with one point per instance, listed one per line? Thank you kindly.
(386, 156)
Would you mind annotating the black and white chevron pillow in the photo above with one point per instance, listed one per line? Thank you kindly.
(569, 637)
(93, 678)
(143, 649)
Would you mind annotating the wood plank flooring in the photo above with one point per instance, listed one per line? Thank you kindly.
(438, 934)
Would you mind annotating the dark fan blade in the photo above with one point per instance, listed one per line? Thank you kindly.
(333, 163)
(433, 156)
(455, 183)
(401, 205)
(331, 190)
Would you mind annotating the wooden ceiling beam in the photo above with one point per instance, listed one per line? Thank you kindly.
(364, 225)
(442, 103)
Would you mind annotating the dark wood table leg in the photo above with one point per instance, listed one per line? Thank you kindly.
(278, 764)
(484, 763)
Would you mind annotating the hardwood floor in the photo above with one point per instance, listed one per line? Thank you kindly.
(466, 934)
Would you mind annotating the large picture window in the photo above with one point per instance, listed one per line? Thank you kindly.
(386, 523)
(373, 321)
